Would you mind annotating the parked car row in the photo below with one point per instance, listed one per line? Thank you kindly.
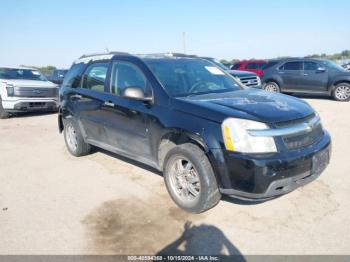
(209, 134)
(301, 75)
(57, 76)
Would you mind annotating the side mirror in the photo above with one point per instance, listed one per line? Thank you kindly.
(135, 93)
(321, 70)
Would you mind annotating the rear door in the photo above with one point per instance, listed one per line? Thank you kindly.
(314, 80)
(291, 74)
(89, 102)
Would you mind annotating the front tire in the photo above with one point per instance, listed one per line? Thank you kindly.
(272, 87)
(74, 139)
(341, 92)
(190, 179)
(3, 113)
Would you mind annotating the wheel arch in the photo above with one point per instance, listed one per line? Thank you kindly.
(176, 137)
(63, 113)
(339, 81)
(271, 79)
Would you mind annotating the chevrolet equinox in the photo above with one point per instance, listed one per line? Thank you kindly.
(186, 117)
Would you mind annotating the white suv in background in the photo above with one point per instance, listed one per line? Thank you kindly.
(25, 89)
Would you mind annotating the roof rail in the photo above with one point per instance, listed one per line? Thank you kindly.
(168, 54)
(104, 53)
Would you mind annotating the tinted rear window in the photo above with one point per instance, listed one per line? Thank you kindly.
(256, 66)
(270, 64)
(296, 65)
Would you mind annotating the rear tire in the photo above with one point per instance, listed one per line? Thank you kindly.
(74, 139)
(272, 87)
(190, 179)
(341, 92)
(3, 113)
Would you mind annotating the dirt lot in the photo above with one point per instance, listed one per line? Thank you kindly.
(53, 203)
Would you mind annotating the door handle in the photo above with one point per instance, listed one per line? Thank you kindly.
(305, 74)
(76, 97)
(108, 103)
(280, 72)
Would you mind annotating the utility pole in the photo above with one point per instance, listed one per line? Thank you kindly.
(184, 41)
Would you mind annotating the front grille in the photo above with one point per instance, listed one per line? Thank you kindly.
(249, 81)
(305, 139)
(35, 92)
(295, 121)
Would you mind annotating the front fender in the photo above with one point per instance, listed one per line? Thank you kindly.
(338, 79)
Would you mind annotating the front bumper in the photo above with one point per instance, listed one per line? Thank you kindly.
(262, 177)
(30, 105)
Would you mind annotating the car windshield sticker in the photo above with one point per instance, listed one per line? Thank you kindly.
(214, 70)
(35, 73)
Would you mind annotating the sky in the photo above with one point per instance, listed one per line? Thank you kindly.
(56, 32)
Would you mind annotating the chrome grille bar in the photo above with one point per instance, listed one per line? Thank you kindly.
(285, 131)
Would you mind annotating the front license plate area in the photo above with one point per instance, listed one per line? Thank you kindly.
(320, 161)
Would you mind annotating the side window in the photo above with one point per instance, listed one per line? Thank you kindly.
(125, 75)
(310, 66)
(261, 66)
(235, 66)
(251, 66)
(95, 77)
(292, 66)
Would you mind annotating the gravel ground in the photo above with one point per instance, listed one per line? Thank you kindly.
(54, 203)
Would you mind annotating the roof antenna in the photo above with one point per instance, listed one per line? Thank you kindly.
(107, 50)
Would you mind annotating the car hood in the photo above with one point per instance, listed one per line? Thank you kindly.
(240, 73)
(249, 104)
(30, 83)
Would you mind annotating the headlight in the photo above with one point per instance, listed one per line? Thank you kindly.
(259, 81)
(237, 138)
(10, 89)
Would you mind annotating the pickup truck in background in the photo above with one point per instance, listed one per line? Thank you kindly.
(25, 89)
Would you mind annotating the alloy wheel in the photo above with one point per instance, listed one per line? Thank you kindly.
(342, 92)
(184, 180)
(271, 88)
(72, 139)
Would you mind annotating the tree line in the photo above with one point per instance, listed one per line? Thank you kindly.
(337, 56)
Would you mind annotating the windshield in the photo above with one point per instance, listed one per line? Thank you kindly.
(22, 74)
(184, 76)
(218, 63)
(333, 65)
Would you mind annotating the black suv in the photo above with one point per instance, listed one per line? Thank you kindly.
(205, 131)
(306, 75)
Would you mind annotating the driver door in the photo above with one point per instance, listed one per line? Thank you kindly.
(128, 120)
